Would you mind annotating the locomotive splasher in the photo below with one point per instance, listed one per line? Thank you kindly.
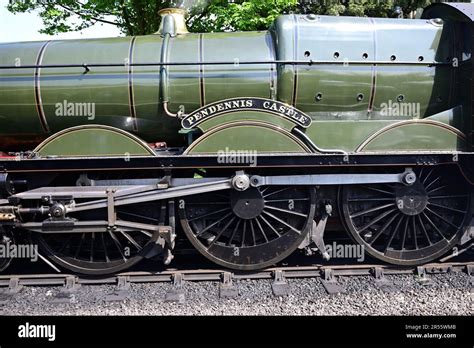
(363, 121)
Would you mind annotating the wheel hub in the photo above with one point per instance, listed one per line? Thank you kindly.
(247, 204)
(411, 200)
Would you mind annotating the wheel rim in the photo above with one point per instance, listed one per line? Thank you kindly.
(408, 225)
(251, 229)
(97, 253)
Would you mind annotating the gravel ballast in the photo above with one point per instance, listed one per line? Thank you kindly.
(448, 294)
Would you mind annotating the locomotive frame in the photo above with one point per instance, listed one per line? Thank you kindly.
(67, 197)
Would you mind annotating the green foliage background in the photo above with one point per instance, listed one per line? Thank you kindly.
(139, 17)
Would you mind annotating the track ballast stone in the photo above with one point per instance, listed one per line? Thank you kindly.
(449, 294)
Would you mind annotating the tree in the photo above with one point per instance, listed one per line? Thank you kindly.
(139, 17)
(369, 8)
(241, 16)
(132, 17)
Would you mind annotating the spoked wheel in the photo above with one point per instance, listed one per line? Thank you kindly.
(250, 229)
(101, 252)
(6, 239)
(408, 225)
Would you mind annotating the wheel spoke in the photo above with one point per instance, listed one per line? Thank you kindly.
(433, 225)
(221, 232)
(377, 219)
(448, 197)
(131, 240)
(286, 211)
(382, 230)
(117, 244)
(436, 189)
(234, 231)
(420, 175)
(277, 191)
(208, 214)
(394, 232)
(414, 232)
(447, 208)
(434, 210)
(442, 218)
(371, 210)
(281, 221)
(261, 230)
(253, 233)
(381, 199)
(244, 230)
(424, 230)
(286, 200)
(213, 224)
(378, 190)
(270, 225)
(405, 230)
(427, 187)
(427, 176)
(102, 251)
(106, 254)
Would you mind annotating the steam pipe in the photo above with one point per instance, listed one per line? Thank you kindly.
(168, 29)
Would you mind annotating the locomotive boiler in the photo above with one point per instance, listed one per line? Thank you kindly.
(251, 144)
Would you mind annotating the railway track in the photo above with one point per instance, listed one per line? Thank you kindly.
(329, 274)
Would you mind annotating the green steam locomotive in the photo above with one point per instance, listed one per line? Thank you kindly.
(252, 144)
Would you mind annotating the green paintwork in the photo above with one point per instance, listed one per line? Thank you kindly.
(339, 119)
(230, 81)
(153, 125)
(245, 116)
(351, 37)
(183, 81)
(246, 138)
(71, 85)
(93, 141)
(427, 137)
(17, 100)
(346, 136)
